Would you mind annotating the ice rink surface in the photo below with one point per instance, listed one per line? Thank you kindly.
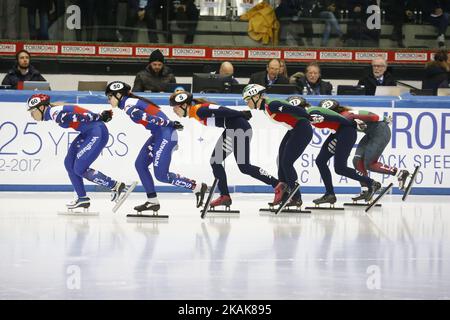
(399, 251)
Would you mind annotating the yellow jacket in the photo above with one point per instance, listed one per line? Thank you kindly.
(263, 24)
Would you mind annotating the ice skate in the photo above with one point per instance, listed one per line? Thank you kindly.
(281, 190)
(117, 190)
(83, 202)
(381, 195)
(402, 176)
(149, 205)
(125, 191)
(208, 200)
(362, 196)
(80, 203)
(410, 183)
(326, 198)
(200, 191)
(374, 188)
(223, 200)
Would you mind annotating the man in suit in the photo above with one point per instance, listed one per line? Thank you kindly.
(312, 83)
(378, 77)
(269, 76)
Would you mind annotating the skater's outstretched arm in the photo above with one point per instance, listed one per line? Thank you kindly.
(362, 115)
(217, 111)
(141, 117)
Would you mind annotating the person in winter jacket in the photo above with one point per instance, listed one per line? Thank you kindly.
(22, 71)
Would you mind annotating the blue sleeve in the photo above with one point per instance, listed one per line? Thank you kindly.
(280, 107)
(222, 112)
(139, 116)
(68, 117)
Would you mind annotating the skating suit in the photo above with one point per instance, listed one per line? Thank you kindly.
(86, 147)
(158, 148)
(235, 139)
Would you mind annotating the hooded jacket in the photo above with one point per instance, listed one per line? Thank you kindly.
(13, 76)
(436, 76)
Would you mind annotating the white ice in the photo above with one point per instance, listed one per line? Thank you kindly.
(399, 251)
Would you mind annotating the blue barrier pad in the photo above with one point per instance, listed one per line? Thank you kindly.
(98, 97)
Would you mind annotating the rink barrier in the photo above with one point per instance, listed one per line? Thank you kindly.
(422, 135)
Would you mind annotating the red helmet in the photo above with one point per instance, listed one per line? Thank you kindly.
(37, 100)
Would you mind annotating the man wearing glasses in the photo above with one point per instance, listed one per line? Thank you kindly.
(378, 77)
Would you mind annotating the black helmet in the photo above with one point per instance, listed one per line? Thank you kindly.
(329, 104)
(298, 101)
(117, 87)
(180, 98)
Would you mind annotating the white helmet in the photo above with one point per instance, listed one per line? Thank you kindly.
(251, 90)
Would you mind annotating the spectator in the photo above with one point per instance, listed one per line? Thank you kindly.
(22, 71)
(397, 12)
(88, 7)
(436, 72)
(291, 13)
(33, 6)
(378, 77)
(186, 16)
(270, 76)
(227, 69)
(9, 10)
(312, 83)
(141, 10)
(283, 68)
(435, 11)
(357, 29)
(155, 76)
(326, 10)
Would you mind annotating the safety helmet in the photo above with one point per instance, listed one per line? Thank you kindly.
(251, 90)
(180, 98)
(329, 104)
(298, 101)
(117, 87)
(37, 100)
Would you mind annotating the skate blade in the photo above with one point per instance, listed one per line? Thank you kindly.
(77, 213)
(204, 211)
(325, 208)
(379, 197)
(411, 182)
(148, 216)
(352, 204)
(124, 197)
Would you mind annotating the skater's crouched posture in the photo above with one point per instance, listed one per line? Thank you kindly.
(296, 139)
(377, 135)
(86, 147)
(235, 139)
(157, 149)
(338, 144)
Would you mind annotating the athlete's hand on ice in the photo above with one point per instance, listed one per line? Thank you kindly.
(106, 115)
(316, 118)
(360, 125)
(247, 114)
(177, 125)
(387, 119)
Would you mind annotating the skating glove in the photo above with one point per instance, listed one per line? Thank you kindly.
(360, 125)
(316, 118)
(247, 114)
(177, 125)
(106, 115)
(387, 119)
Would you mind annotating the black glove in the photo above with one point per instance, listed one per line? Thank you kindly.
(247, 114)
(106, 115)
(177, 125)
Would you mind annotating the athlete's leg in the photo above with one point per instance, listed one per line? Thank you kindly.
(325, 154)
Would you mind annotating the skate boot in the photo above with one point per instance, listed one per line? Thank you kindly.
(326, 198)
(200, 191)
(224, 200)
(281, 191)
(83, 202)
(402, 176)
(376, 186)
(361, 196)
(117, 190)
(295, 203)
(151, 204)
